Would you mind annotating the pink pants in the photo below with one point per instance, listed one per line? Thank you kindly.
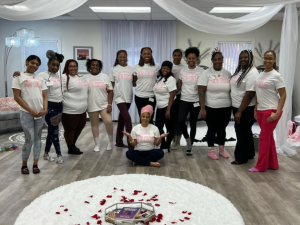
(267, 150)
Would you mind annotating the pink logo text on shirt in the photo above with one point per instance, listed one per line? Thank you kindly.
(81, 83)
(32, 82)
(146, 72)
(124, 75)
(192, 77)
(145, 137)
(261, 83)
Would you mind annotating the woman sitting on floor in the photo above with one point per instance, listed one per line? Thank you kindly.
(144, 137)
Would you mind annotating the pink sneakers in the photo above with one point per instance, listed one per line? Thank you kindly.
(211, 153)
(222, 151)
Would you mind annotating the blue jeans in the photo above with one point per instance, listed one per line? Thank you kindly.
(53, 118)
(145, 157)
(33, 132)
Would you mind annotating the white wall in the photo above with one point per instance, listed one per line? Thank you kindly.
(72, 33)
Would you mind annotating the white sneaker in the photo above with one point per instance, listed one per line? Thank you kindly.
(60, 159)
(49, 158)
(96, 149)
(109, 146)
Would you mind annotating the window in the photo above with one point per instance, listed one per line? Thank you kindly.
(231, 49)
(45, 45)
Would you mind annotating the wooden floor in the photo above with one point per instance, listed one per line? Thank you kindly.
(271, 198)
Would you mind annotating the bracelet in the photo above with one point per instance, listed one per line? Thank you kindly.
(131, 141)
(109, 104)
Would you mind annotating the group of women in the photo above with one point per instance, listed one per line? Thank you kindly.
(175, 89)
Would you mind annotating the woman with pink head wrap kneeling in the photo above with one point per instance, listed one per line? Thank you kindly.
(144, 137)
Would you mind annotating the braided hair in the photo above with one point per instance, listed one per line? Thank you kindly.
(141, 62)
(274, 54)
(89, 63)
(117, 61)
(245, 71)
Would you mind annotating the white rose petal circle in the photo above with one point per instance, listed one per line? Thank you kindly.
(177, 200)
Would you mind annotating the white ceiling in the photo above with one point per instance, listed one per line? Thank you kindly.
(157, 13)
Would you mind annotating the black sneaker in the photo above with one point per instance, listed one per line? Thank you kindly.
(73, 150)
(189, 152)
(35, 170)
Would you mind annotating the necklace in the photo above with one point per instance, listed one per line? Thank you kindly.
(218, 73)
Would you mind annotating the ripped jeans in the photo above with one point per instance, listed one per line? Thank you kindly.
(53, 118)
(33, 132)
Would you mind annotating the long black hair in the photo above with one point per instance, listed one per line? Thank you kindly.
(274, 54)
(247, 69)
(117, 61)
(89, 62)
(160, 76)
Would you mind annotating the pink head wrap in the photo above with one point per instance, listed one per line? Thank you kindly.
(147, 109)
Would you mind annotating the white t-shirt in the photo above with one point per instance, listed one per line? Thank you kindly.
(76, 96)
(189, 89)
(145, 136)
(176, 70)
(218, 87)
(98, 86)
(162, 91)
(53, 83)
(146, 77)
(122, 76)
(31, 87)
(266, 86)
(248, 84)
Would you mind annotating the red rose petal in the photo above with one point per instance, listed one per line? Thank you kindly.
(91, 196)
(160, 216)
(173, 222)
(66, 210)
(181, 220)
(141, 200)
(100, 210)
(189, 213)
(158, 220)
(144, 194)
(115, 189)
(62, 206)
(99, 222)
(86, 202)
(153, 219)
(184, 212)
(157, 205)
(57, 213)
(131, 200)
(102, 202)
(87, 223)
(122, 189)
(186, 218)
(108, 196)
(172, 203)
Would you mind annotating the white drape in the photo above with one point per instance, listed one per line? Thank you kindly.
(287, 62)
(253, 2)
(231, 52)
(132, 36)
(212, 24)
(39, 9)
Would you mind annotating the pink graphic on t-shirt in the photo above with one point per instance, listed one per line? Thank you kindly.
(191, 77)
(261, 83)
(32, 82)
(146, 72)
(159, 86)
(56, 81)
(96, 84)
(145, 137)
(176, 73)
(220, 79)
(81, 83)
(234, 79)
(124, 75)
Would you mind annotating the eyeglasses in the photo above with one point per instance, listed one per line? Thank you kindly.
(72, 67)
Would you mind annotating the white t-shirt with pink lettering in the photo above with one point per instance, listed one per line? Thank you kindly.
(162, 91)
(146, 77)
(218, 87)
(176, 71)
(189, 89)
(122, 76)
(145, 136)
(31, 86)
(98, 95)
(53, 83)
(266, 86)
(76, 95)
(248, 84)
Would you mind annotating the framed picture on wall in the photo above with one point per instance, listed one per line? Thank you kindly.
(81, 54)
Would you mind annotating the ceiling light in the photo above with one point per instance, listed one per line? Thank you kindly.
(122, 9)
(234, 9)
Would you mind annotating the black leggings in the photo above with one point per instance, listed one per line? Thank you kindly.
(145, 157)
(160, 121)
(244, 148)
(142, 102)
(184, 110)
(217, 120)
(175, 116)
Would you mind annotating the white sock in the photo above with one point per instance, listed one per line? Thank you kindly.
(97, 141)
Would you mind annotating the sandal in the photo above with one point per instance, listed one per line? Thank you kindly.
(35, 170)
(25, 170)
(235, 163)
